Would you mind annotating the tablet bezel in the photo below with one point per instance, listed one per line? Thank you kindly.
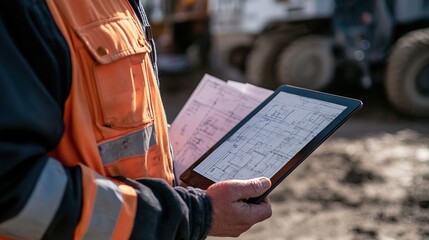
(192, 178)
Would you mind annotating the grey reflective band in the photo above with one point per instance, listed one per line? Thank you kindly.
(106, 210)
(37, 214)
(127, 146)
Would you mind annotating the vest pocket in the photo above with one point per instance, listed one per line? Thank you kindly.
(124, 97)
(120, 51)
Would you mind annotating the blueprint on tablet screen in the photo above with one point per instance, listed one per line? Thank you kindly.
(270, 139)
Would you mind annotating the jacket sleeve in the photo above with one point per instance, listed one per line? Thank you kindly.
(167, 213)
(40, 197)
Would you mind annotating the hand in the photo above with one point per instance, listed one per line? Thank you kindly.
(231, 215)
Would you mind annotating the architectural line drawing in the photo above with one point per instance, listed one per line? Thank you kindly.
(270, 139)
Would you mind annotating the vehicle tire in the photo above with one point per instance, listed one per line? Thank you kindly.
(407, 77)
(262, 59)
(307, 62)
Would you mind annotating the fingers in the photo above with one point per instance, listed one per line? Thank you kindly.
(250, 188)
(262, 211)
(237, 190)
(266, 200)
(231, 217)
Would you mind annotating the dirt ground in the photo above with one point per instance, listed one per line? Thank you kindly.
(370, 180)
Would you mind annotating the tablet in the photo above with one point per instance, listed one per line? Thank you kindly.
(273, 139)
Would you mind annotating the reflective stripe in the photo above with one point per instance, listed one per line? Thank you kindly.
(127, 146)
(36, 216)
(125, 224)
(89, 192)
(107, 207)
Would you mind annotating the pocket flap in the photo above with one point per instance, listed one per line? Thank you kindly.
(112, 39)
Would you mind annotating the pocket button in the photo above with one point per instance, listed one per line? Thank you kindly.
(102, 51)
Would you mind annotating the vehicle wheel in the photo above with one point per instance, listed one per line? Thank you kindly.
(407, 78)
(260, 64)
(307, 62)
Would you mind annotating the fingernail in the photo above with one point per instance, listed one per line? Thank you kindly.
(265, 182)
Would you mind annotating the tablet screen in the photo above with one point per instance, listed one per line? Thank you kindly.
(273, 139)
(270, 139)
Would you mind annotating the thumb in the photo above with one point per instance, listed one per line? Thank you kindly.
(253, 187)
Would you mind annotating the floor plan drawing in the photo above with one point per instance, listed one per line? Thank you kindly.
(270, 139)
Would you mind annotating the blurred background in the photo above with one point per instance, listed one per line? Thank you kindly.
(370, 180)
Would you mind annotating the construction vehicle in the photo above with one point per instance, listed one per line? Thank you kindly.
(309, 43)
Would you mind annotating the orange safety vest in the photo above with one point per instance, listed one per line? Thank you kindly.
(114, 119)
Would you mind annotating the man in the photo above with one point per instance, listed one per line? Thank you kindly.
(84, 150)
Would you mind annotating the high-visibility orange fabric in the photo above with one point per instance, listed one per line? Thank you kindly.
(114, 92)
(89, 191)
(127, 213)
